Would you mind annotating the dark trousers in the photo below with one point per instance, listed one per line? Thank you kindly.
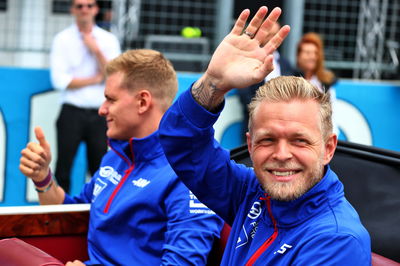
(73, 126)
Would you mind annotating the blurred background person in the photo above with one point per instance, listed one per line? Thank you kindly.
(311, 64)
(77, 60)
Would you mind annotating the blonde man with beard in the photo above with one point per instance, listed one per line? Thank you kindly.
(290, 209)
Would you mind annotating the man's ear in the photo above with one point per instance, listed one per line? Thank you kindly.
(330, 147)
(249, 144)
(144, 100)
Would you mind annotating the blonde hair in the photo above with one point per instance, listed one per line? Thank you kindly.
(324, 75)
(287, 88)
(147, 69)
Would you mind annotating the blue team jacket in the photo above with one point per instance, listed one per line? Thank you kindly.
(319, 228)
(141, 213)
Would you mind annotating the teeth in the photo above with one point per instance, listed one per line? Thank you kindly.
(283, 173)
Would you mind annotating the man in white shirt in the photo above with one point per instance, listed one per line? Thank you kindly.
(77, 59)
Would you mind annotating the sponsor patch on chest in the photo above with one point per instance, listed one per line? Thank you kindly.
(141, 182)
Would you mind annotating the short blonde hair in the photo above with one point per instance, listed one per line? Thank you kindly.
(287, 88)
(147, 69)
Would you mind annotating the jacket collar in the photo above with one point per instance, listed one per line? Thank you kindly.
(312, 202)
(137, 149)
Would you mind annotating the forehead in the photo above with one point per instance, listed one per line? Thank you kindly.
(75, 2)
(114, 83)
(308, 47)
(294, 116)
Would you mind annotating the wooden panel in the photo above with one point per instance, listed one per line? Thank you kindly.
(40, 224)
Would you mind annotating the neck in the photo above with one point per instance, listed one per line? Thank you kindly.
(308, 75)
(85, 27)
(149, 125)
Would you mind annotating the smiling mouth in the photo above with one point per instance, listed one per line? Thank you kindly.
(283, 173)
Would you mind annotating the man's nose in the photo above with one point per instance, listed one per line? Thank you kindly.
(102, 110)
(282, 151)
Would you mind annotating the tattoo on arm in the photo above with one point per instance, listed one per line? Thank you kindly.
(207, 95)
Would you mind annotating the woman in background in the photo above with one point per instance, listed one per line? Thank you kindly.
(311, 63)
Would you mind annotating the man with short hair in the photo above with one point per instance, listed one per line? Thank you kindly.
(78, 57)
(141, 213)
(290, 208)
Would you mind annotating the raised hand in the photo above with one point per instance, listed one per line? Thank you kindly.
(36, 157)
(244, 57)
(90, 42)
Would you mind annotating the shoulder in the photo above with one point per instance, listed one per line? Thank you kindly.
(103, 33)
(333, 248)
(66, 33)
(65, 37)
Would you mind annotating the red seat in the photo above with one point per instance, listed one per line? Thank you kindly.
(378, 260)
(14, 251)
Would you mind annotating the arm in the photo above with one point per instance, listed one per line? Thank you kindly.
(77, 83)
(34, 164)
(91, 44)
(60, 73)
(188, 219)
(186, 132)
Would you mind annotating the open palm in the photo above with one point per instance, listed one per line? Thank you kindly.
(242, 59)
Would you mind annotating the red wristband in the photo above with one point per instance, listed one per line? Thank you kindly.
(45, 181)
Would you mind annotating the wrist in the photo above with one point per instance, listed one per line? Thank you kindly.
(206, 93)
(46, 188)
(45, 182)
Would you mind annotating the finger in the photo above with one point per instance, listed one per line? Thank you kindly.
(256, 21)
(26, 171)
(267, 66)
(34, 152)
(264, 32)
(28, 163)
(42, 139)
(277, 40)
(240, 22)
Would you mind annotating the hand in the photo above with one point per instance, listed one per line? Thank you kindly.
(98, 78)
(90, 42)
(75, 263)
(244, 57)
(36, 157)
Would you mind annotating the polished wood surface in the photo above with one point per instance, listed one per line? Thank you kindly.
(37, 223)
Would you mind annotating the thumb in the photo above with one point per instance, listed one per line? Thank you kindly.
(42, 139)
(268, 65)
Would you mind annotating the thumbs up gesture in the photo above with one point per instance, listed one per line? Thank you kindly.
(36, 158)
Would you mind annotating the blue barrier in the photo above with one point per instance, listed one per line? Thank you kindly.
(366, 113)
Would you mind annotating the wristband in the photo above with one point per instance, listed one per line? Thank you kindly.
(46, 189)
(45, 181)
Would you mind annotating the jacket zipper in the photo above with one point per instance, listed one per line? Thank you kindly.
(122, 181)
(270, 240)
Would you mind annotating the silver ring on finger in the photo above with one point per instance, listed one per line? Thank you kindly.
(251, 35)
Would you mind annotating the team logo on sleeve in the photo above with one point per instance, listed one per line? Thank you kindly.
(195, 206)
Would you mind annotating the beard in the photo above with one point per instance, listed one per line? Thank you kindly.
(289, 191)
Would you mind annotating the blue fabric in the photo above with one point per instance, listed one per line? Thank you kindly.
(153, 218)
(319, 228)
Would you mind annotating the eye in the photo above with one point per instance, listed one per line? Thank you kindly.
(265, 141)
(300, 141)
